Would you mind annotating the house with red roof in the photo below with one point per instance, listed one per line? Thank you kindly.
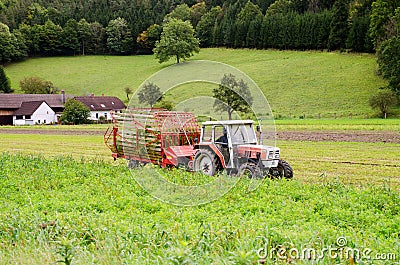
(101, 106)
(20, 108)
(30, 109)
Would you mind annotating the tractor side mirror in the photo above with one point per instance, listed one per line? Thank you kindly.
(258, 128)
(196, 140)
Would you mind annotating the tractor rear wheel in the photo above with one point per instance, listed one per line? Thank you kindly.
(205, 162)
(283, 170)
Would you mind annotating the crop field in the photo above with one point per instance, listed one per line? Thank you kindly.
(295, 83)
(64, 200)
(84, 208)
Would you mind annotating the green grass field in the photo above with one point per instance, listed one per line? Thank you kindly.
(295, 83)
(84, 208)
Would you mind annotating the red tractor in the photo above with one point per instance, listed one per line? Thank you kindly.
(175, 139)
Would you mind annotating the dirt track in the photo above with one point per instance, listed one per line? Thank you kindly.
(340, 136)
(315, 136)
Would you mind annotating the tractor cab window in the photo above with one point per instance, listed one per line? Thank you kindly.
(243, 134)
(221, 135)
(207, 134)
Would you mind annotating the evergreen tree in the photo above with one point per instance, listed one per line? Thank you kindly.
(358, 39)
(207, 26)
(5, 85)
(339, 26)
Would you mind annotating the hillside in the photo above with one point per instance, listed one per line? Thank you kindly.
(294, 82)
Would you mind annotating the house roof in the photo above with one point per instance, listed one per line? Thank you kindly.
(28, 108)
(99, 103)
(14, 101)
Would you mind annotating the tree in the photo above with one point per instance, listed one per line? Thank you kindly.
(75, 112)
(164, 104)
(119, 37)
(84, 34)
(51, 38)
(37, 85)
(181, 12)
(148, 38)
(383, 101)
(97, 40)
(5, 85)
(12, 45)
(177, 39)
(389, 62)
(196, 13)
(232, 95)
(128, 91)
(280, 7)
(70, 36)
(150, 93)
(339, 26)
(206, 25)
(382, 23)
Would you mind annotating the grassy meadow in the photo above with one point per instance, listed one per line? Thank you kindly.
(295, 83)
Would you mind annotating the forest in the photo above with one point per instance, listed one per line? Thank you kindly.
(48, 28)
(118, 27)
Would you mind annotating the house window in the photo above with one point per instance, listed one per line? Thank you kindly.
(102, 105)
(27, 117)
(19, 117)
(38, 121)
(44, 121)
(105, 115)
(97, 115)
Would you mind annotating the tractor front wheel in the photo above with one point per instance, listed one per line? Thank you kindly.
(205, 162)
(250, 171)
(283, 170)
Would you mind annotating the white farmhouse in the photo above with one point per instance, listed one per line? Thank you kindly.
(34, 112)
(101, 106)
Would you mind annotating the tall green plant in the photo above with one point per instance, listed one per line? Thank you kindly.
(75, 112)
(5, 85)
(177, 40)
